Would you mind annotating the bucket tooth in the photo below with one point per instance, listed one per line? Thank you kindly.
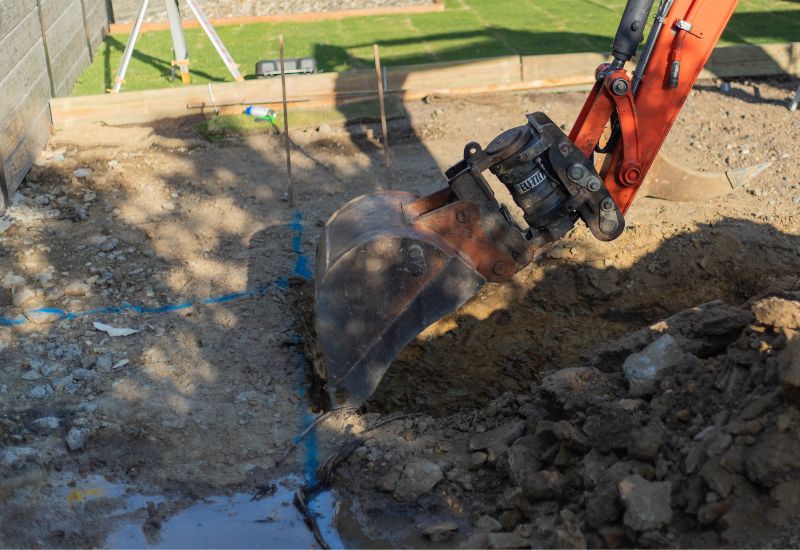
(379, 283)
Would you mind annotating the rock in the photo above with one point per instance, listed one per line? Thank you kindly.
(477, 540)
(47, 423)
(82, 173)
(718, 478)
(419, 476)
(488, 524)
(22, 295)
(544, 485)
(440, 532)
(514, 498)
(5, 225)
(777, 312)
(523, 458)
(594, 465)
(613, 536)
(760, 405)
(645, 368)
(711, 512)
(477, 459)
(104, 363)
(31, 375)
(647, 503)
(775, 457)
(509, 519)
(562, 432)
(17, 457)
(569, 536)
(76, 439)
(11, 280)
(500, 437)
(647, 442)
(83, 374)
(461, 478)
(576, 386)
(611, 431)
(109, 244)
(77, 288)
(508, 540)
(786, 495)
(40, 392)
(719, 444)
(789, 365)
(602, 505)
(66, 384)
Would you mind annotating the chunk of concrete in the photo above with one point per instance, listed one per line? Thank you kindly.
(419, 476)
(647, 503)
(646, 368)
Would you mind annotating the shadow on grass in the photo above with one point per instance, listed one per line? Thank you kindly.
(163, 66)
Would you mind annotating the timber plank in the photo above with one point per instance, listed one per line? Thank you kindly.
(570, 66)
(18, 42)
(24, 75)
(18, 162)
(97, 20)
(60, 32)
(492, 75)
(497, 70)
(748, 60)
(11, 13)
(54, 10)
(15, 122)
(69, 76)
(75, 53)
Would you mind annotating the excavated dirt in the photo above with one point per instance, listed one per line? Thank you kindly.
(525, 430)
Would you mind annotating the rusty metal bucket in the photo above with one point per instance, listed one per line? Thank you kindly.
(380, 281)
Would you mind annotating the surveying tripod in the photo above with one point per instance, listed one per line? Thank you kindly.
(181, 55)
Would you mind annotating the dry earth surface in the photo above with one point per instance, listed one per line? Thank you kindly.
(535, 420)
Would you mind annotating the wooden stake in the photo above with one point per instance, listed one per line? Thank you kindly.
(384, 128)
(289, 189)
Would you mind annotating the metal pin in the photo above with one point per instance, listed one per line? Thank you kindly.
(289, 189)
(384, 128)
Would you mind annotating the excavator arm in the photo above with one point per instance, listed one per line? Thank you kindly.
(390, 264)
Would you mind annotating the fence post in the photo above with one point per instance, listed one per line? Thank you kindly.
(46, 50)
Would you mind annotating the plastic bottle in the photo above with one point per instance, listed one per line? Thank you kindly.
(261, 113)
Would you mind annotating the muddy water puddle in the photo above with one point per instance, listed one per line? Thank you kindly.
(235, 521)
(137, 520)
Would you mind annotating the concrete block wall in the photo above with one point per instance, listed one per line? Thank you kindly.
(44, 47)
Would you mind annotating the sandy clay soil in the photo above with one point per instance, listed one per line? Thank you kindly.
(635, 393)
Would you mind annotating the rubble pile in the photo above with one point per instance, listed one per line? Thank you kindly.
(683, 434)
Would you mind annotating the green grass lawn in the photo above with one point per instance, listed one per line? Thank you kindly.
(467, 29)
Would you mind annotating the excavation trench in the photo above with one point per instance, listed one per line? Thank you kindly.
(577, 297)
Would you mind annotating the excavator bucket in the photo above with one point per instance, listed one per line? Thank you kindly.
(380, 282)
(669, 180)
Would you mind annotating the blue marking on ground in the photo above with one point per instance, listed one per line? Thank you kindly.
(301, 268)
(59, 314)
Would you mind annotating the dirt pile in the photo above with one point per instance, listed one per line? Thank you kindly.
(683, 434)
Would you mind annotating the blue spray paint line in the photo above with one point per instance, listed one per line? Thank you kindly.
(58, 314)
(301, 268)
(311, 454)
